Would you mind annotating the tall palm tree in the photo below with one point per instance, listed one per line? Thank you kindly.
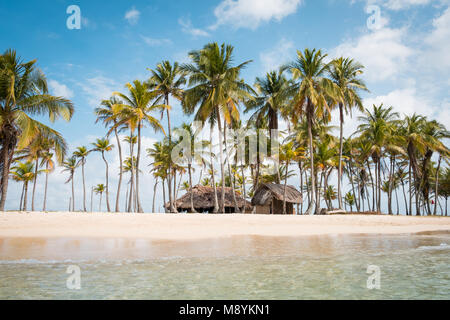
(167, 80)
(160, 155)
(23, 93)
(215, 88)
(70, 165)
(103, 145)
(23, 172)
(135, 112)
(345, 72)
(312, 96)
(81, 153)
(416, 143)
(105, 113)
(100, 189)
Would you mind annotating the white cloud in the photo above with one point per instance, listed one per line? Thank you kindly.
(152, 42)
(132, 16)
(382, 52)
(251, 13)
(398, 4)
(187, 27)
(280, 54)
(98, 89)
(437, 53)
(60, 90)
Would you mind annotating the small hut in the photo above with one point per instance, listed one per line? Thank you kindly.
(268, 199)
(204, 200)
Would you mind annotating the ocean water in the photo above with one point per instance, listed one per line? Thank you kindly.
(325, 267)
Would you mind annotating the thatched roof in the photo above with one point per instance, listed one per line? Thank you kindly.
(204, 198)
(266, 192)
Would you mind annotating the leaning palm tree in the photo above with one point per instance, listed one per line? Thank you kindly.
(23, 93)
(70, 165)
(313, 91)
(103, 145)
(23, 172)
(215, 90)
(135, 112)
(345, 72)
(81, 153)
(100, 189)
(105, 113)
(167, 80)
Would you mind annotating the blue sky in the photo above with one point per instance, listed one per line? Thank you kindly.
(406, 56)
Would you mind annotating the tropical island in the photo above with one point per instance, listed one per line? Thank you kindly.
(244, 166)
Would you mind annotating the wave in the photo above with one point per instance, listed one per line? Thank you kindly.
(442, 246)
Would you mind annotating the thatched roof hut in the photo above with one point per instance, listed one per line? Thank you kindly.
(204, 200)
(269, 197)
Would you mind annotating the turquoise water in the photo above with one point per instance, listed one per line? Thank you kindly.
(411, 267)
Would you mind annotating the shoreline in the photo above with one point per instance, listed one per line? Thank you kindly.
(201, 227)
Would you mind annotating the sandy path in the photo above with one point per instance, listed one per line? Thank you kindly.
(196, 227)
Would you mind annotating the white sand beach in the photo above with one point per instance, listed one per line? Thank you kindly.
(197, 227)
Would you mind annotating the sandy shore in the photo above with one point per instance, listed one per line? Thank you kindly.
(197, 227)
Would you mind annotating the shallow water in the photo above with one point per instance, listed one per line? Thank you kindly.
(325, 267)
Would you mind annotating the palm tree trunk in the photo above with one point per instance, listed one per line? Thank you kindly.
(169, 175)
(84, 185)
(154, 195)
(164, 195)
(436, 186)
(139, 207)
(222, 167)
(236, 206)
(107, 182)
(190, 189)
(6, 159)
(44, 207)
(25, 197)
(73, 193)
(130, 195)
(100, 204)
(341, 147)
(174, 196)
(301, 185)
(410, 188)
(309, 115)
(34, 183)
(213, 179)
(119, 146)
(285, 187)
(21, 198)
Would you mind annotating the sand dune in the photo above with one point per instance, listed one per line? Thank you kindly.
(196, 227)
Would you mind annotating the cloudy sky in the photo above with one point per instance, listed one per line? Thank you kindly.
(404, 45)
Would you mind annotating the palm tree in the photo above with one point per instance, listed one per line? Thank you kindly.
(23, 172)
(311, 98)
(377, 128)
(100, 189)
(105, 113)
(216, 88)
(135, 112)
(103, 145)
(81, 153)
(349, 199)
(273, 94)
(23, 93)
(287, 154)
(167, 80)
(344, 72)
(70, 165)
(160, 156)
(416, 142)
(47, 160)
